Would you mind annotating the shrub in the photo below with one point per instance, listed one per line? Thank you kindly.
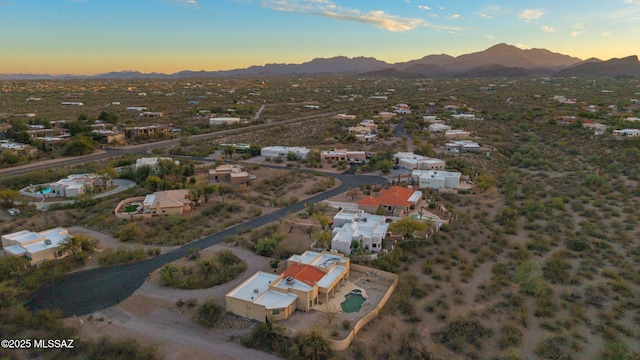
(209, 314)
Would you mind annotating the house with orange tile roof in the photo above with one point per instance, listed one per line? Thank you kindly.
(396, 201)
(309, 279)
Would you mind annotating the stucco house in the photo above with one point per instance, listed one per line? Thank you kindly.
(309, 279)
(233, 174)
(396, 201)
(438, 180)
(73, 185)
(37, 247)
(365, 229)
(167, 202)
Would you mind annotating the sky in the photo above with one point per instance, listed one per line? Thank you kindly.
(88, 37)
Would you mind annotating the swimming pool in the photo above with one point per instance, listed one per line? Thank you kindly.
(353, 301)
(44, 191)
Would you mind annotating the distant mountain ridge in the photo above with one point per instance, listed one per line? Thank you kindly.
(501, 60)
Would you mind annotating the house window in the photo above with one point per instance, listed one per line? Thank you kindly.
(373, 245)
(275, 312)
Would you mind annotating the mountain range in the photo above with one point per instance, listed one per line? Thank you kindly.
(500, 60)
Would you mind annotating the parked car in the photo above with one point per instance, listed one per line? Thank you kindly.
(14, 212)
(252, 177)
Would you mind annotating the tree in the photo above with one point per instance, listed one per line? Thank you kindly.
(322, 238)
(206, 269)
(266, 246)
(79, 145)
(224, 190)
(228, 151)
(169, 274)
(195, 193)
(8, 197)
(330, 313)
(72, 244)
(208, 191)
(407, 226)
(353, 193)
(153, 183)
(106, 176)
(290, 220)
(311, 346)
(484, 182)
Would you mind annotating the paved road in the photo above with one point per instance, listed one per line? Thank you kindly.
(84, 292)
(398, 131)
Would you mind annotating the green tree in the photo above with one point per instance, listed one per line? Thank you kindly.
(72, 244)
(311, 346)
(8, 197)
(79, 145)
(129, 232)
(408, 226)
(266, 246)
(208, 191)
(106, 176)
(169, 275)
(153, 183)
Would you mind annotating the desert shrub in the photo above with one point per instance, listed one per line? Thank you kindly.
(462, 335)
(209, 314)
(510, 336)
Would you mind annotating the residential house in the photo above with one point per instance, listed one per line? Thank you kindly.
(136, 108)
(283, 151)
(343, 117)
(7, 146)
(360, 130)
(402, 109)
(151, 114)
(395, 201)
(435, 179)
(146, 130)
(109, 136)
(370, 124)
(411, 161)
(217, 121)
(626, 133)
(308, 279)
(353, 157)
(167, 202)
(456, 134)
(368, 138)
(462, 146)
(436, 127)
(37, 247)
(73, 185)
(233, 174)
(152, 162)
(357, 226)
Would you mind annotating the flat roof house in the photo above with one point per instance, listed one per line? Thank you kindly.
(283, 151)
(216, 121)
(73, 185)
(396, 200)
(233, 174)
(37, 247)
(354, 157)
(456, 134)
(366, 229)
(167, 202)
(439, 180)
(626, 133)
(152, 162)
(411, 161)
(307, 280)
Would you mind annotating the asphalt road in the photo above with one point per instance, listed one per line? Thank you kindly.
(84, 292)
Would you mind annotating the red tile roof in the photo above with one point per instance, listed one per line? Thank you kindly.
(305, 273)
(394, 196)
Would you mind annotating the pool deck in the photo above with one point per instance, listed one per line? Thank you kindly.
(372, 288)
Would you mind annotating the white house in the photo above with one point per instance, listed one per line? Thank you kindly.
(626, 133)
(36, 247)
(435, 127)
(152, 162)
(457, 134)
(462, 146)
(73, 185)
(356, 225)
(411, 161)
(216, 121)
(136, 108)
(283, 151)
(434, 179)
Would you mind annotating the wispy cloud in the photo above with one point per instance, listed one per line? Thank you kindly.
(548, 29)
(530, 14)
(490, 11)
(490, 37)
(578, 29)
(635, 2)
(522, 46)
(327, 8)
(483, 15)
(454, 16)
(193, 3)
(424, 7)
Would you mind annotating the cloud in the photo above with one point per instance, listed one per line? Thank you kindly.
(424, 7)
(548, 29)
(454, 16)
(490, 37)
(522, 46)
(530, 14)
(193, 3)
(327, 8)
(578, 29)
(490, 11)
(635, 2)
(483, 15)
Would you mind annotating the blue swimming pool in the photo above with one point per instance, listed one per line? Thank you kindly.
(44, 191)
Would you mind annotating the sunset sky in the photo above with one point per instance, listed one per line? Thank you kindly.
(96, 36)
